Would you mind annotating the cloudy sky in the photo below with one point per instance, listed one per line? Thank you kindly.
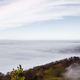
(40, 19)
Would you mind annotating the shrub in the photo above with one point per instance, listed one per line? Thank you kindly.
(17, 74)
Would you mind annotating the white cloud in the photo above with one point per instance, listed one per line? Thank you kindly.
(19, 12)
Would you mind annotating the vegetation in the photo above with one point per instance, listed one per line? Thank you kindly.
(51, 71)
(17, 74)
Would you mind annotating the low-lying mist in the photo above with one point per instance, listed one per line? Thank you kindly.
(72, 72)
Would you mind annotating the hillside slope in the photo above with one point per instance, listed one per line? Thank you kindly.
(51, 71)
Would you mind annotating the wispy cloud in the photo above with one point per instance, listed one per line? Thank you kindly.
(19, 12)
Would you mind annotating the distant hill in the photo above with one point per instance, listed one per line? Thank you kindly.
(50, 71)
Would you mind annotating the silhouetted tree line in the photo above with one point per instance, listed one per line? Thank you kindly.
(39, 72)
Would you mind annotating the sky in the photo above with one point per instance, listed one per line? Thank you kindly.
(39, 19)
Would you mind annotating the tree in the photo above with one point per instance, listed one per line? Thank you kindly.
(17, 74)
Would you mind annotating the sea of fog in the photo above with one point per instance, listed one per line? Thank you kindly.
(34, 53)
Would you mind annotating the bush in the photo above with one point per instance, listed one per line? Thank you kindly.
(17, 74)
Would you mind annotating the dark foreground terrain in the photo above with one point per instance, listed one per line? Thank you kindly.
(51, 71)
